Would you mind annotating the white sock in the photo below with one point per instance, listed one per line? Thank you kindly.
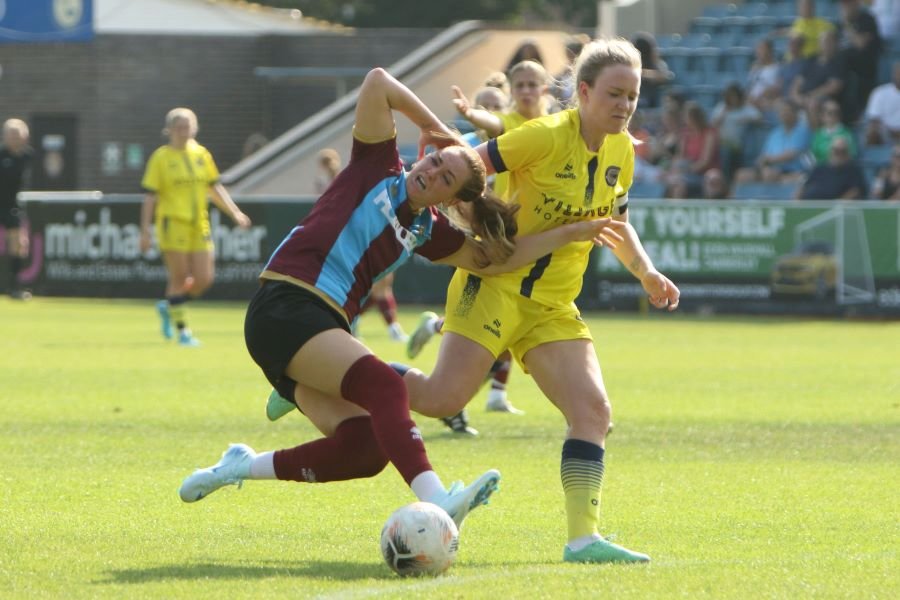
(427, 486)
(583, 542)
(263, 466)
(433, 325)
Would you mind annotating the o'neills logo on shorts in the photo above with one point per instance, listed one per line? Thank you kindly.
(612, 176)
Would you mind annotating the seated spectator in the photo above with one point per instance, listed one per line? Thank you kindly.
(563, 86)
(328, 165)
(715, 186)
(698, 152)
(655, 73)
(793, 64)
(887, 184)
(887, 14)
(821, 77)
(664, 145)
(861, 49)
(809, 27)
(781, 158)
(841, 178)
(731, 117)
(883, 112)
(763, 79)
(643, 169)
(828, 127)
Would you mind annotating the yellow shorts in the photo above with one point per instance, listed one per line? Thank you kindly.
(493, 317)
(175, 235)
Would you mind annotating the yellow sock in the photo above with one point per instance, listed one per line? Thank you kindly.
(582, 478)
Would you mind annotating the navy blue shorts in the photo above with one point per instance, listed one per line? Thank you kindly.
(280, 319)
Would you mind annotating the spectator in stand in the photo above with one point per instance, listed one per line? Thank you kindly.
(887, 184)
(328, 163)
(731, 117)
(823, 77)
(810, 27)
(887, 14)
(644, 170)
(527, 50)
(564, 82)
(841, 178)
(698, 152)
(664, 145)
(655, 73)
(828, 127)
(793, 64)
(763, 79)
(715, 186)
(862, 49)
(883, 111)
(781, 158)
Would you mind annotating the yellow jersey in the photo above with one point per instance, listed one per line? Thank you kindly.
(811, 29)
(510, 120)
(557, 180)
(181, 180)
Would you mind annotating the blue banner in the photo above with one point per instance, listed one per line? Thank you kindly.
(30, 21)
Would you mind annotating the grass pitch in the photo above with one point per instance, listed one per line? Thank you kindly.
(752, 458)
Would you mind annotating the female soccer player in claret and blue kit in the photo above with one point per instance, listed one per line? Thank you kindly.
(564, 168)
(370, 220)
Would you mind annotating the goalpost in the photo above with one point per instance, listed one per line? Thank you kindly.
(845, 229)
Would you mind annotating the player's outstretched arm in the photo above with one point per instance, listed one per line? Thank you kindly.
(529, 248)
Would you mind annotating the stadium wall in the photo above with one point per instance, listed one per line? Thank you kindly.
(827, 258)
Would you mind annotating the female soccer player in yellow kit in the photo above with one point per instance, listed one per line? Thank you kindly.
(179, 178)
(573, 165)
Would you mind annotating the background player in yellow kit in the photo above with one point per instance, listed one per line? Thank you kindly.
(179, 178)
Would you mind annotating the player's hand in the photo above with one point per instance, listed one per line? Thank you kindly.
(462, 104)
(241, 220)
(600, 231)
(437, 136)
(661, 291)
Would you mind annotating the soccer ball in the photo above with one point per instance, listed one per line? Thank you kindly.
(419, 539)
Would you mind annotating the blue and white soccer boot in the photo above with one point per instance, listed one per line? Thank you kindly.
(459, 501)
(162, 307)
(232, 469)
(603, 551)
(186, 338)
(424, 331)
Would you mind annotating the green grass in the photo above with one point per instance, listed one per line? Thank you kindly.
(752, 458)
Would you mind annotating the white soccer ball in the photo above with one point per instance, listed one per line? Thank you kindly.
(419, 539)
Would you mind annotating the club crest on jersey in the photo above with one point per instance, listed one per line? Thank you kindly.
(612, 176)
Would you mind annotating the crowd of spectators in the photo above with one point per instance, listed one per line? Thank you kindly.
(817, 116)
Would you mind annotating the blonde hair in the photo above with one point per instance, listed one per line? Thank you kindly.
(17, 125)
(498, 80)
(527, 67)
(602, 53)
(181, 114)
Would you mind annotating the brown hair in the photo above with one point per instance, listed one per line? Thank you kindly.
(493, 221)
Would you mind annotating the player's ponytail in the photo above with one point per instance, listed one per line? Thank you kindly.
(494, 224)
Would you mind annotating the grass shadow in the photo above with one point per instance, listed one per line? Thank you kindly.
(334, 570)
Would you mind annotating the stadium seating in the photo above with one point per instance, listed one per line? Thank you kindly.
(647, 189)
(764, 191)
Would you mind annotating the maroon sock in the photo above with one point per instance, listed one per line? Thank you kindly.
(376, 387)
(350, 453)
(388, 308)
(500, 374)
